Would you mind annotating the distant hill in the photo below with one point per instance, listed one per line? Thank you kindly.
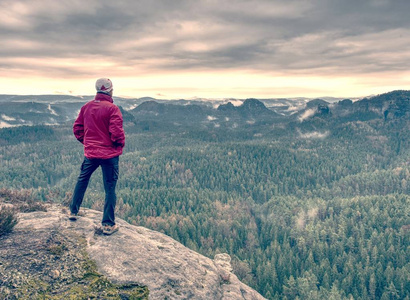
(153, 114)
(391, 105)
(17, 110)
(255, 108)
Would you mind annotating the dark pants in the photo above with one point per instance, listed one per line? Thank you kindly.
(110, 175)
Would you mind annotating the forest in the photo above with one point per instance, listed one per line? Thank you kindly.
(307, 209)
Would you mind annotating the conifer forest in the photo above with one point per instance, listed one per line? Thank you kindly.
(308, 208)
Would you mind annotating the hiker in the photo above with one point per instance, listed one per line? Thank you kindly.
(99, 127)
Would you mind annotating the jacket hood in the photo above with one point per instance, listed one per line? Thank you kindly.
(103, 97)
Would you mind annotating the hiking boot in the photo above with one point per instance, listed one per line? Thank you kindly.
(73, 217)
(108, 230)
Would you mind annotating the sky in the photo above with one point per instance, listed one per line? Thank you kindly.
(174, 49)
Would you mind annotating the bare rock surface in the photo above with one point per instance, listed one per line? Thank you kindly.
(133, 256)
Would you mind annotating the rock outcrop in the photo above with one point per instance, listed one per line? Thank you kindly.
(134, 257)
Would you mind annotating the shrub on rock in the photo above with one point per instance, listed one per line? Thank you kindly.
(8, 219)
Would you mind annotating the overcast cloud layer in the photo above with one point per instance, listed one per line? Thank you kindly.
(359, 39)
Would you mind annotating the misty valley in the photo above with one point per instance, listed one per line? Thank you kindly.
(310, 198)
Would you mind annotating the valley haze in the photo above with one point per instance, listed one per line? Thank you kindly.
(310, 198)
(18, 110)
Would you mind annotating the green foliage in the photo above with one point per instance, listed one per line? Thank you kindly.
(312, 210)
(97, 285)
(87, 283)
(8, 219)
(26, 134)
(22, 200)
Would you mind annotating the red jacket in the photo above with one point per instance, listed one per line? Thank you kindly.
(99, 127)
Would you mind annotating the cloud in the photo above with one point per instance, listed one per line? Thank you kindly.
(306, 114)
(314, 135)
(52, 111)
(80, 39)
(5, 125)
(236, 102)
(7, 118)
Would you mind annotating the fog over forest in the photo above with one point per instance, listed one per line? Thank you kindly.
(310, 197)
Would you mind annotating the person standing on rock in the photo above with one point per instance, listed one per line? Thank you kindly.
(99, 126)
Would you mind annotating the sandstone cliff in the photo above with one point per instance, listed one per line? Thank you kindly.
(48, 255)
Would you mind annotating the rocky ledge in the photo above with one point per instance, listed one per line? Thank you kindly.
(49, 256)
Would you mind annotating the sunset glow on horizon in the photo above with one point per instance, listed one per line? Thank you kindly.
(235, 49)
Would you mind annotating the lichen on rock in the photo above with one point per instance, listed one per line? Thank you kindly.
(48, 255)
(53, 264)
